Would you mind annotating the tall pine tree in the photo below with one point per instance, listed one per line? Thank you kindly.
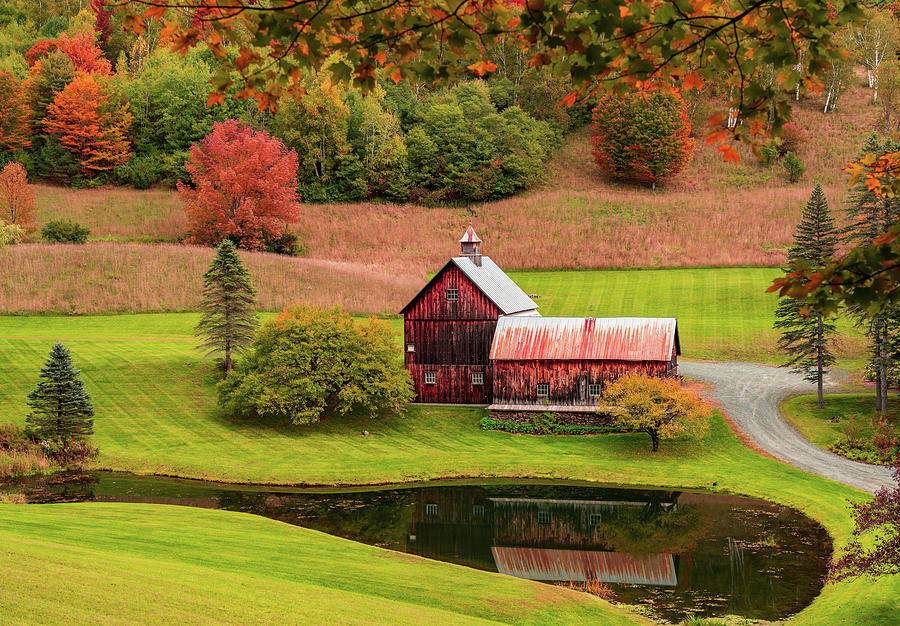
(228, 318)
(61, 409)
(805, 339)
(870, 216)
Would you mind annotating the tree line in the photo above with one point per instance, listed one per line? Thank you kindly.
(85, 103)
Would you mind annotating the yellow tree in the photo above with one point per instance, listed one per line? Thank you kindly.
(660, 407)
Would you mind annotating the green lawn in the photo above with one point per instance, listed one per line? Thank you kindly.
(114, 563)
(155, 413)
(723, 313)
(804, 415)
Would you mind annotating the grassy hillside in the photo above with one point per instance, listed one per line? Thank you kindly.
(69, 562)
(711, 215)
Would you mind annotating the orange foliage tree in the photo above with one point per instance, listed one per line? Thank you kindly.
(84, 52)
(644, 136)
(16, 197)
(244, 187)
(13, 115)
(91, 124)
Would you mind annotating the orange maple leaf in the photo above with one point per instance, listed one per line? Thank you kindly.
(396, 75)
(216, 97)
(482, 67)
(569, 99)
(729, 154)
(692, 80)
(155, 11)
(624, 12)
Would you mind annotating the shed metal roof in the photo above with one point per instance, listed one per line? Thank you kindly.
(585, 338)
(493, 282)
(586, 565)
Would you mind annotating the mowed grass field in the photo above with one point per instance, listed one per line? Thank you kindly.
(113, 563)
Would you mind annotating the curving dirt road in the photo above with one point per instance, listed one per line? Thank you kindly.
(750, 394)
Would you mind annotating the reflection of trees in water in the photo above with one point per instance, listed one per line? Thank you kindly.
(654, 529)
(759, 562)
(378, 518)
(60, 487)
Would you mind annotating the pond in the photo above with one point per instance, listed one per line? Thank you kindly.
(678, 553)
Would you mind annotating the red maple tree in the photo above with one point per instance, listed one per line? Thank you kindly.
(244, 187)
(91, 125)
(13, 115)
(38, 50)
(16, 197)
(85, 54)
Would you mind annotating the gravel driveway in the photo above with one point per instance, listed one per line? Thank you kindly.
(750, 394)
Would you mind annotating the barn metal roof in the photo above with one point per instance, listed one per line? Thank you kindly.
(496, 285)
(491, 280)
(585, 338)
(586, 565)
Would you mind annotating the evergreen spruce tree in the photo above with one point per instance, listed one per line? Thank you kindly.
(228, 318)
(805, 339)
(870, 216)
(61, 409)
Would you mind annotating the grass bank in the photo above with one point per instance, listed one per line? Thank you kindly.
(829, 425)
(192, 565)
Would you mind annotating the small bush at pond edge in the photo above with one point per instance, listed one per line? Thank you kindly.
(64, 231)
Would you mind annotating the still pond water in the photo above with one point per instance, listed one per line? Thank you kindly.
(678, 553)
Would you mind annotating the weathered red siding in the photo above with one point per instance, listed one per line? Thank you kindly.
(453, 384)
(433, 304)
(451, 339)
(515, 382)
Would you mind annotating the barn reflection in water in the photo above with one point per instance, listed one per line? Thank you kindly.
(540, 538)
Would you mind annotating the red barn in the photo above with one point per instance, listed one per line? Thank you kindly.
(566, 361)
(472, 336)
(448, 327)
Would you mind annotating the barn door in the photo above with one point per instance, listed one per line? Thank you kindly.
(583, 390)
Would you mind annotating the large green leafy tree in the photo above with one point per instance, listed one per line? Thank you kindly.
(61, 408)
(228, 319)
(805, 337)
(309, 363)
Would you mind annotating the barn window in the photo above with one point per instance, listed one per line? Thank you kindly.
(478, 510)
(410, 347)
(430, 378)
(452, 295)
(543, 390)
(431, 508)
(595, 390)
(477, 378)
(595, 519)
(543, 517)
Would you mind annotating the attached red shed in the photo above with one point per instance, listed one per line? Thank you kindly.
(566, 361)
(449, 325)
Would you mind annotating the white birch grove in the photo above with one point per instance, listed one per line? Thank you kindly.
(874, 40)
